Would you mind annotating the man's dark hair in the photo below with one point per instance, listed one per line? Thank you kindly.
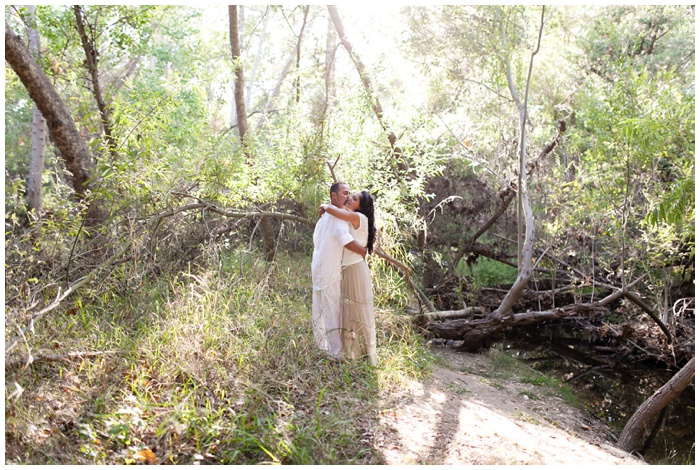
(334, 188)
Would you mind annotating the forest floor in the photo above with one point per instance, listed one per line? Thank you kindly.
(459, 416)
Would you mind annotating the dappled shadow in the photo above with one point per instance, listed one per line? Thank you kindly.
(457, 417)
(83, 410)
(45, 423)
(337, 406)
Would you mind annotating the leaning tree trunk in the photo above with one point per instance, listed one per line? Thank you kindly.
(68, 140)
(632, 437)
(525, 263)
(38, 131)
(275, 91)
(369, 88)
(478, 332)
(265, 225)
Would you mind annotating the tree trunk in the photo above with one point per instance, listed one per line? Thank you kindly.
(233, 119)
(38, 130)
(525, 261)
(275, 92)
(632, 437)
(90, 49)
(328, 73)
(297, 81)
(239, 88)
(261, 43)
(369, 88)
(265, 225)
(68, 140)
(36, 165)
(477, 333)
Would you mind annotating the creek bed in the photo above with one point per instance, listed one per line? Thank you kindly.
(613, 392)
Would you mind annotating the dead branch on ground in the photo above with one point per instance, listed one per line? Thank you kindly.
(46, 357)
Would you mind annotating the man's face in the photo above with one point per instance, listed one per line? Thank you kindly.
(338, 199)
(353, 202)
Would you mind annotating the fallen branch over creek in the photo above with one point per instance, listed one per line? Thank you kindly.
(474, 332)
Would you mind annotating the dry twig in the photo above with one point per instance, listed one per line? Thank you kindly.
(40, 357)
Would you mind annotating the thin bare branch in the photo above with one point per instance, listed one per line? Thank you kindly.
(207, 206)
(452, 314)
(481, 162)
(332, 168)
(420, 296)
(649, 311)
(61, 296)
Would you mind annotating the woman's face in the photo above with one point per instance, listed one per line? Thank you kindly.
(353, 202)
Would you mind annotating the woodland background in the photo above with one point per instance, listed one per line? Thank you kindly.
(162, 255)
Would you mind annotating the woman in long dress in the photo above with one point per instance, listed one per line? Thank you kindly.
(358, 331)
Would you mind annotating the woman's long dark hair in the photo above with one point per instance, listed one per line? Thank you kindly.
(367, 208)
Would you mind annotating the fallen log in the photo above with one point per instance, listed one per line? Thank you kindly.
(466, 312)
(632, 436)
(476, 333)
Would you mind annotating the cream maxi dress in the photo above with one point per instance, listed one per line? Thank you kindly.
(358, 332)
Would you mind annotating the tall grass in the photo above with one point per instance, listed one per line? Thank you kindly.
(212, 365)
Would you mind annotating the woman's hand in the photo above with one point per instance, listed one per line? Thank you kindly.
(322, 209)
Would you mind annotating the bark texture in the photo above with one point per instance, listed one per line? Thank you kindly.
(632, 437)
(68, 140)
(38, 131)
(265, 225)
(477, 333)
(91, 53)
(239, 87)
(297, 81)
(525, 260)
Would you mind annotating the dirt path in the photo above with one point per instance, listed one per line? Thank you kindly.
(456, 417)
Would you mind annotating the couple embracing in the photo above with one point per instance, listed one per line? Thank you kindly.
(343, 308)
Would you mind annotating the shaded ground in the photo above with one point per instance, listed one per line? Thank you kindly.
(460, 417)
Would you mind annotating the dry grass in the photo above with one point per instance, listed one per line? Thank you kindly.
(213, 366)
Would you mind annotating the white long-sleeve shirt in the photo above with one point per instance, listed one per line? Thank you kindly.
(330, 236)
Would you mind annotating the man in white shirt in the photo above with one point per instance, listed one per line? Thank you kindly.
(331, 235)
